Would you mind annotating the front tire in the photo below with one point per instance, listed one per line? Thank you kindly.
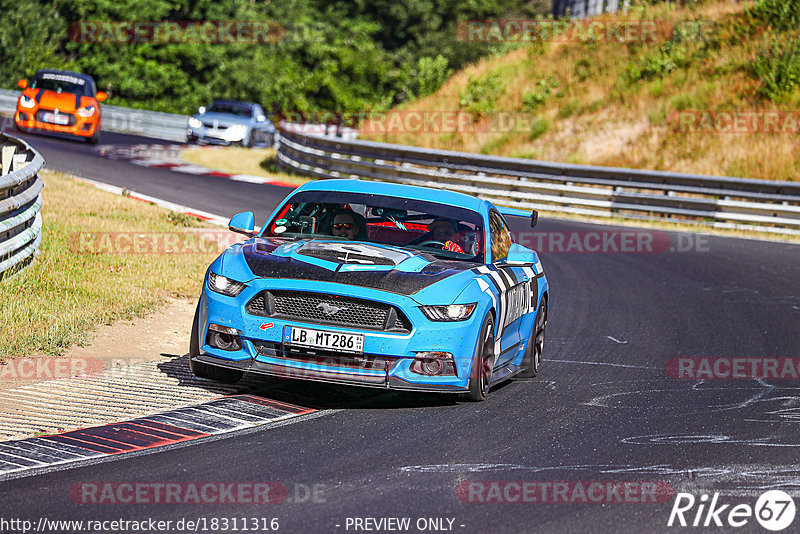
(482, 362)
(533, 354)
(203, 370)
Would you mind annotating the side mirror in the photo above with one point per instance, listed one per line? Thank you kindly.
(519, 254)
(23, 84)
(101, 96)
(201, 110)
(534, 218)
(243, 223)
(261, 118)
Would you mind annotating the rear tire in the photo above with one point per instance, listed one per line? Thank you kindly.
(482, 362)
(203, 370)
(533, 354)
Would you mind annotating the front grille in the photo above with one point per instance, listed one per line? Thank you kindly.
(346, 257)
(326, 358)
(211, 125)
(40, 117)
(312, 307)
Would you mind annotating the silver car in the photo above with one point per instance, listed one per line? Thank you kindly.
(228, 122)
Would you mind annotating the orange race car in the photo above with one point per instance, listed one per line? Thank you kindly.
(61, 102)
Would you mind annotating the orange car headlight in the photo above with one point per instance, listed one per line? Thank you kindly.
(26, 102)
(86, 112)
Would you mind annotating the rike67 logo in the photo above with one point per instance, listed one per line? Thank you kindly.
(774, 510)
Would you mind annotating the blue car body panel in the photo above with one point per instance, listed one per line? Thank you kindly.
(269, 266)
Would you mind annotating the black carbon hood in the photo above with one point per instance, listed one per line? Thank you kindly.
(397, 270)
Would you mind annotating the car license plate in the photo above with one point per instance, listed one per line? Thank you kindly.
(56, 119)
(321, 339)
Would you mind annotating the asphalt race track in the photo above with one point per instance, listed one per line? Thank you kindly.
(603, 409)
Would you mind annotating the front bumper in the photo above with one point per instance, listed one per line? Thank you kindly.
(335, 376)
(211, 136)
(386, 360)
(82, 127)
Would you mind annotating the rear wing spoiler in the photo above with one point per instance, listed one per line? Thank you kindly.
(516, 212)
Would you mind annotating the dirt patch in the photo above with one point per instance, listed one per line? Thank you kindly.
(161, 335)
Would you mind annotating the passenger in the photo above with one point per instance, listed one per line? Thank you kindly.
(348, 224)
(444, 231)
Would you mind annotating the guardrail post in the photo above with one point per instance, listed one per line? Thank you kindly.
(7, 157)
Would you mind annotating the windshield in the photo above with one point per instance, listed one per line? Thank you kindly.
(62, 83)
(242, 110)
(446, 232)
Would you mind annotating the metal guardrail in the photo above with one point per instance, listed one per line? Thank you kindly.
(324, 130)
(722, 202)
(20, 202)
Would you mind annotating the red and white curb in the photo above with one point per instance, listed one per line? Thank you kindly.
(178, 208)
(168, 157)
(219, 416)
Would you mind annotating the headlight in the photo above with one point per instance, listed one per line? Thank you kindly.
(453, 312)
(26, 102)
(88, 111)
(195, 123)
(225, 286)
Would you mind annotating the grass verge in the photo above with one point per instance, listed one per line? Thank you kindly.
(236, 160)
(61, 297)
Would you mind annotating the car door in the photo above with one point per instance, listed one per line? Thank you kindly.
(514, 286)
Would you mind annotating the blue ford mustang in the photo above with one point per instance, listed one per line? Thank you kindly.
(374, 284)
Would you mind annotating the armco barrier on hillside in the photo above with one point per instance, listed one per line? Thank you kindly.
(719, 201)
(20, 201)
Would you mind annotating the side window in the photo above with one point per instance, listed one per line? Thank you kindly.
(501, 237)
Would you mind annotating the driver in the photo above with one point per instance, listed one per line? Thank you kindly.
(444, 231)
(348, 224)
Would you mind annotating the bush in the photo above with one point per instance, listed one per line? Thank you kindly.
(569, 109)
(545, 89)
(432, 72)
(539, 128)
(480, 95)
(658, 64)
(780, 14)
(777, 67)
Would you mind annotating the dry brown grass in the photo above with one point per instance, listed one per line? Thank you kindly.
(237, 160)
(60, 298)
(599, 117)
